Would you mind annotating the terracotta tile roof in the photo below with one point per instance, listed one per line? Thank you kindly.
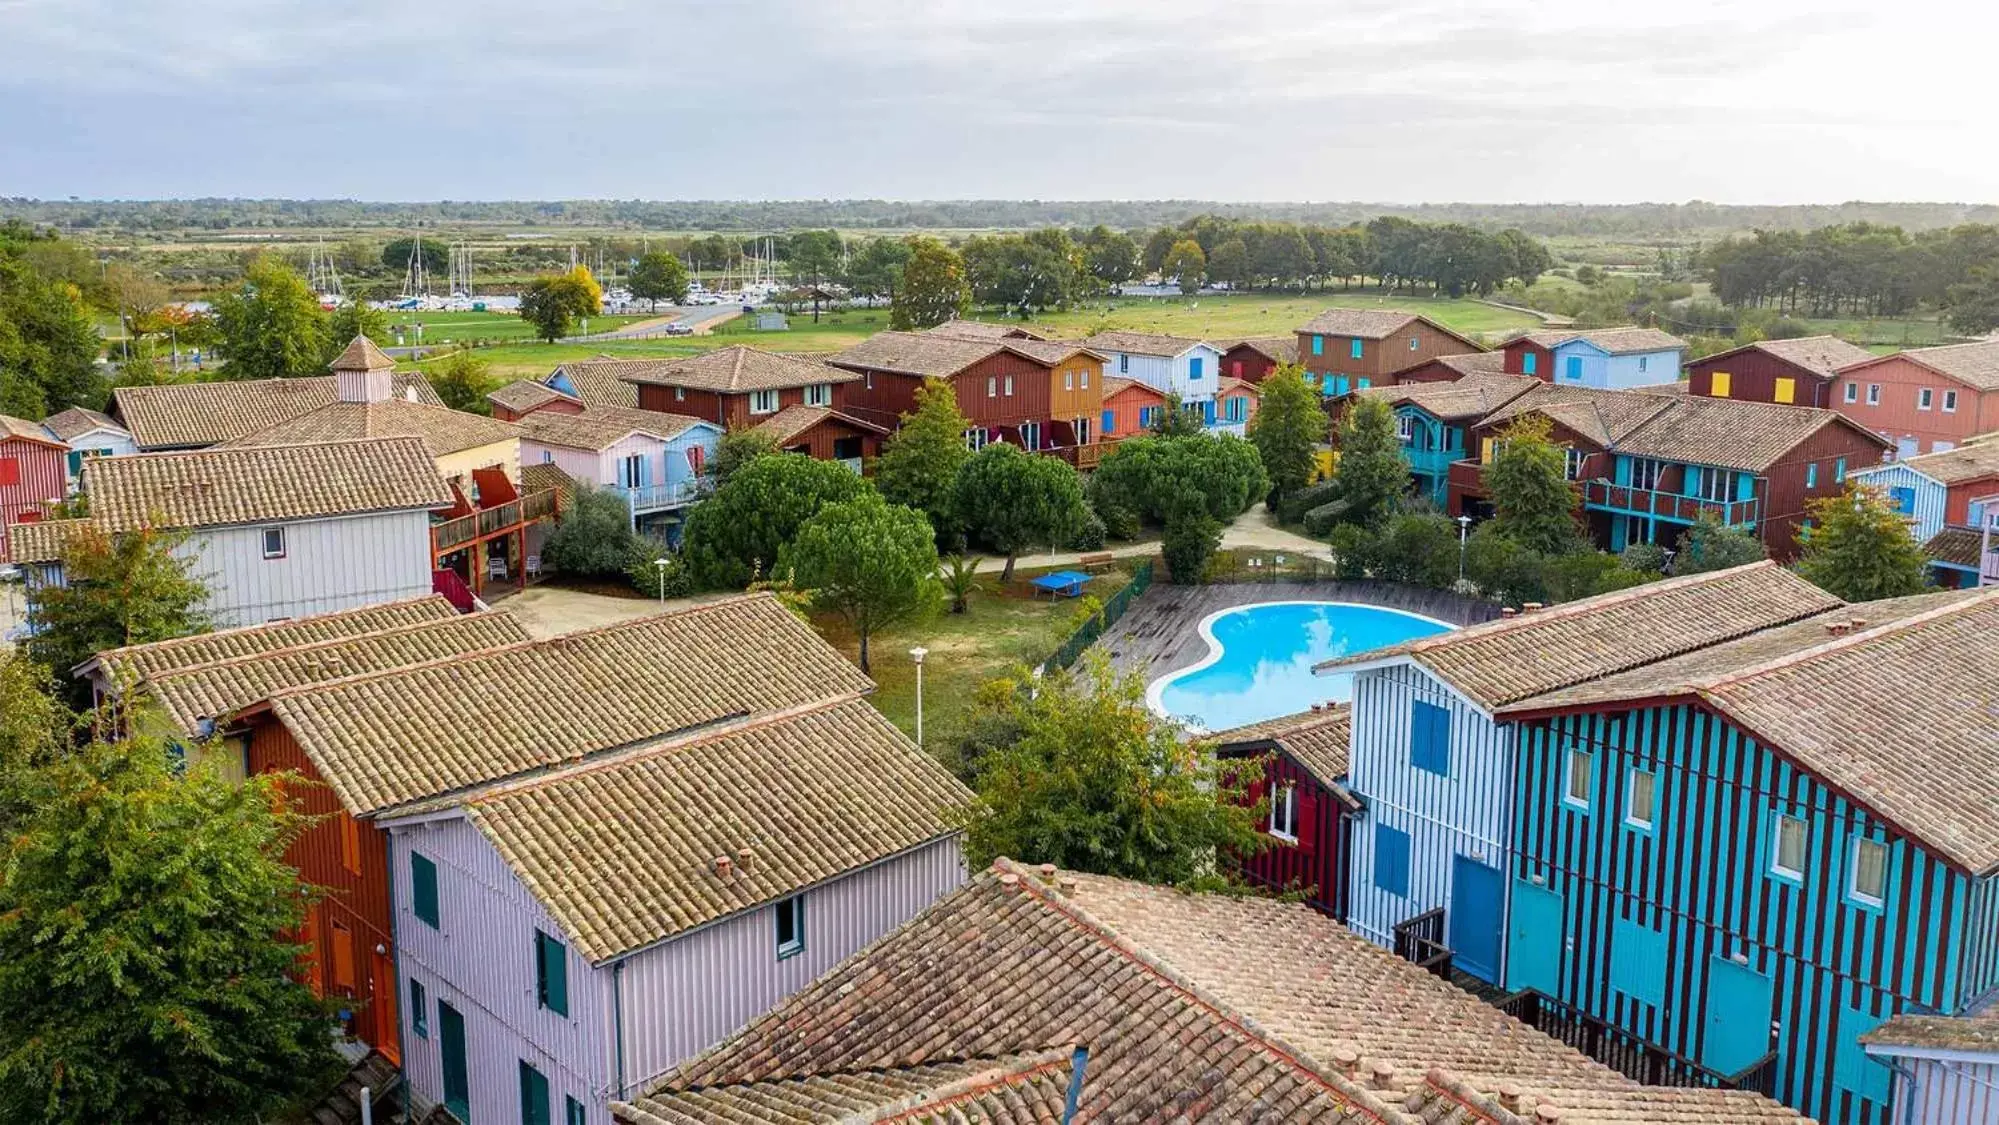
(1600, 416)
(223, 687)
(544, 475)
(1114, 385)
(1140, 343)
(1474, 363)
(622, 854)
(1277, 349)
(1471, 396)
(1316, 740)
(1026, 1089)
(794, 420)
(219, 487)
(1974, 461)
(1821, 355)
(1958, 546)
(1731, 433)
(1938, 1033)
(984, 330)
(1229, 383)
(600, 427)
(1976, 364)
(1511, 659)
(523, 395)
(194, 415)
(1451, 1099)
(139, 662)
(1627, 340)
(361, 354)
(736, 369)
(601, 381)
(1368, 324)
(12, 427)
(76, 421)
(396, 737)
(916, 353)
(444, 431)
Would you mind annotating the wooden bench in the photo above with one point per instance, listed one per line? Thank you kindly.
(1099, 561)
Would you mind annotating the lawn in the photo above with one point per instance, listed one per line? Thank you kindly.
(461, 327)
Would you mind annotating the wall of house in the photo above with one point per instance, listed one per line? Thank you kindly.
(1898, 416)
(1753, 376)
(1076, 390)
(1783, 488)
(349, 860)
(1315, 862)
(43, 475)
(506, 454)
(730, 411)
(982, 391)
(1675, 932)
(880, 397)
(1517, 362)
(1929, 496)
(109, 443)
(1579, 363)
(1123, 409)
(1467, 814)
(329, 565)
(1947, 1091)
(825, 441)
(1248, 364)
(1414, 345)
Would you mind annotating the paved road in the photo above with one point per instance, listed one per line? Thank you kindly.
(701, 318)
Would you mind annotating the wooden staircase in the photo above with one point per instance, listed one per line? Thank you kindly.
(373, 1073)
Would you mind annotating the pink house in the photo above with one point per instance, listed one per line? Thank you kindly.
(1923, 399)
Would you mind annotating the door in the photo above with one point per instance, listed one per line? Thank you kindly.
(1534, 940)
(1477, 910)
(382, 1006)
(1737, 1020)
(451, 1046)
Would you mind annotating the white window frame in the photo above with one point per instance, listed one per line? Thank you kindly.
(1008, 385)
(1631, 816)
(1926, 398)
(1873, 394)
(1415, 343)
(1084, 381)
(1573, 460)
(1646, 473)
(1782, 823)
(763, 402)
(795, 905)
(1123, 363)
(680, 394)
(975, 438)
(992, 386)
(1586, 761)
(264, 541)
(819, 394)
(1284, 801)
(1405, 427)
(1950, 402)
(1853, 890)
(1853, 392)
(1710, 478)
(1068, 380)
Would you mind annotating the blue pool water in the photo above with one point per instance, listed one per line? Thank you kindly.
(1261, 663)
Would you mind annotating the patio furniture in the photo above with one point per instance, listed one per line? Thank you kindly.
(533, 566)
(496, 568)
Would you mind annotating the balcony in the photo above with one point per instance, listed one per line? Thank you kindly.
(647, 499)
(1626, 1053)
(1653, 504)
(1432, 462)
(501, 519)
(1466, 477)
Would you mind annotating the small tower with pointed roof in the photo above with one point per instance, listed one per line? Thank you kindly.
(362, 372)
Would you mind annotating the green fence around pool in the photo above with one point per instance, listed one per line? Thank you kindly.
(1114, 608)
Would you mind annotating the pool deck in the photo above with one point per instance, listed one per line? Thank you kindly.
(1161, 632)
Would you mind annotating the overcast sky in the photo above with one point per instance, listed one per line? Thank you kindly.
(1740, 101)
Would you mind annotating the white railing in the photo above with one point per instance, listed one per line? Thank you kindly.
(655, 497)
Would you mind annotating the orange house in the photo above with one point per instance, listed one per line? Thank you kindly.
(1129, 407)
(1924, 400)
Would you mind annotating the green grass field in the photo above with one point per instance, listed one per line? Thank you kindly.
(474, 327)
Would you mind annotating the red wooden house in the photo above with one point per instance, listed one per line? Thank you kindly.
(825, 433)
(1309, 803)
(34, 469)
(1451, 368)
(737, 386)
(1796, 372)
(523, 397)
(1042, 395)
(1253, 359)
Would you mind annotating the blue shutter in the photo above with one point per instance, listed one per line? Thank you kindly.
(1391, 860)
(1339, 384)
(1528, 362)
(1364, 382)
(1194, 367)
(1852, 1068)
(1905, 500)
(572, 1112)
(534, 1096)
(1575, 367)
(1839, 470)
(1638, 961)
(1208, 412)
(423, 889)
(1357, 348)
(1745, 486)
(1812, 474)
(1430, 738)
(1318, 345)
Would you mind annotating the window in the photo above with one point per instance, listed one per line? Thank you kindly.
(1787, 853)
(1030, 436)
(1785, 389)
(1391, 860)
(1007, 384)
(350, 843)
(1430, 738)
(1853, 392)
(680, 394)
(1644, 361)
(1284, 812)
(975, 438)
(1638, 801)
(1405, 427)
(423, 889)
(1083, 378)
(1647, 473)
(573, 1113)
(1068, 380)
(551, 973)
(547, 457)
(763, 402)
(1576, 781)
(534, 1096)
(1573, 460)
(790, 926)
(868, 380)
(1950, 402)
(1717, 485)
(819, 394)
(992, 386)
(1904, 499)
(1362, 383)
(1719, 384)
(632, 470)
(274, 542)
(419, 1010)
(1356, 349)
(1811, 474)
(1925, 398)
(1123, 363)
(1873, 394)
(1318, 345)
(1839, 470)
(1528, 362)
(1415, 343)
(1194, 367)
(1869, 881)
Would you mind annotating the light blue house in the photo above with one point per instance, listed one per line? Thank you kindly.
(1744, 860)
(1436, 769)
(1176, 365)
(88, 433)
(1937, 490)
(653, 461)
(1605, 358)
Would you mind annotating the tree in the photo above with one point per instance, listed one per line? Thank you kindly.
(34, 731)
(593, 536)
(1372, 472)
(462, 381)
(1155, 478)
(813, 255)
(436, 255)
(271, 325)
(1011, 499)
(870, 562)
(48, 346)
(1974, 303)
(1229, 264)
(1079, 773)
(1111, 257)
(738, 533)
(1533, 501)
(736, 449)
(658, 276)
(878, 269)
(1859, 547)
(143, 975)
(934, 287)
(355, 318)
(959, 575)
(1188, 264)
(1710, 546)
(125, 589)
(918, 467)
(1174, 419)
(553, 303)
(1289, 427)
(1192, 536)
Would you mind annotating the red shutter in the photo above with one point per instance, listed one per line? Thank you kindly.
(10, 471)
(1308, 816)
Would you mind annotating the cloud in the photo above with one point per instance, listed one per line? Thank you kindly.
(1784, 100)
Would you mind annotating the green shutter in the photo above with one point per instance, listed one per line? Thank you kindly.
(534, 1096)
(423, 889)
(419, 1010)
(551, 973)
(572, 1112)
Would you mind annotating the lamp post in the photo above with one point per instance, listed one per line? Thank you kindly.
(917, 654)
(659, 564)
(1464, 533)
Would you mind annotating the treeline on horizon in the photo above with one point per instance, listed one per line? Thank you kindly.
(1632, 220)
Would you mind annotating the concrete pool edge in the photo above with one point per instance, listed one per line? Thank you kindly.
(1206, 629)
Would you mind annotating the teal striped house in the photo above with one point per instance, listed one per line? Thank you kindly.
(1755, 854)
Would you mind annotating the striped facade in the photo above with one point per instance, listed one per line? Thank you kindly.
(1943, 1087)
(629, 1019)
(1455, 829)
(1682, 933)
(32, 474)
(1314, 863)
(1921, 499)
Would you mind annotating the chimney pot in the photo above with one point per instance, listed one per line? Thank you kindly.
(746, 859)
(1508, 611)
(1068, 886)
(1346, 1058)
(1381, 1075)
(724, 867)
(1858, 623)
(1530, 607)
(1009, 879)
(1509, 1098)
(1546, 1112)
(1047, 872)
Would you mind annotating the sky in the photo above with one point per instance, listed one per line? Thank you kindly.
(1402, 101)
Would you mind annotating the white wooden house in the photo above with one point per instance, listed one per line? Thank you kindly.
(1174, 365)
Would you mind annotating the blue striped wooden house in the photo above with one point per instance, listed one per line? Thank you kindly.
(1753, 855)
(1435, 767)
(1432, 420)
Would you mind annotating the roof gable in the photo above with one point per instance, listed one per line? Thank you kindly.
(1145, 343)
(442, 430)
(736, 369)
(76, 422)
(1975, 364)
(1318, 740)
(598, 428)
(133, 663)
(1821, 356)
(194, 415)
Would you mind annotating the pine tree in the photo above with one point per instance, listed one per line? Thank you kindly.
(918, 467)
(1372, 472)
(1859, 547)
(1289, 426)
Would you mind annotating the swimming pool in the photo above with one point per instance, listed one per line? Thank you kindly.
(1260, 657)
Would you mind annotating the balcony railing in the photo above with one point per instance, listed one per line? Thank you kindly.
(659, 497)
(1420, 940)
(1678, 508)
(1626, 1053)
(489, 522)
(1467, 477)
(1432, 462)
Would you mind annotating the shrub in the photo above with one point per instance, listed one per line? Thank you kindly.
(1353, 551)
(1089, 534)
(593, 536)
(1190, 541)
(1420, 549)
(1645, 558)
(673, 580)
(1294, 505)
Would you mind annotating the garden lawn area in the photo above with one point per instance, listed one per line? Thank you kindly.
(462, 327)
(1001, 630)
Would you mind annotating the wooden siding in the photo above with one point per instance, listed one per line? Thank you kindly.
(1947, 1092)
(1027, 403)
(1701, 879)
(43, 475)
(1931, 498)
(881, 397)
(329, 565)
(1782, 488)
(1897, 416)
(355, 898)
(730, 411)
(1246, 363)
(1516, 360)
(1076, 390)
(1468, 813)
(1316, 864)
(1379, 359)
(823, 441)
(1124, 407)
(1753, 375)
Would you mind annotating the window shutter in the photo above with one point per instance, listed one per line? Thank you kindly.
(10, 471)
(423, 889)
(1308, 816)
(553, 974)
